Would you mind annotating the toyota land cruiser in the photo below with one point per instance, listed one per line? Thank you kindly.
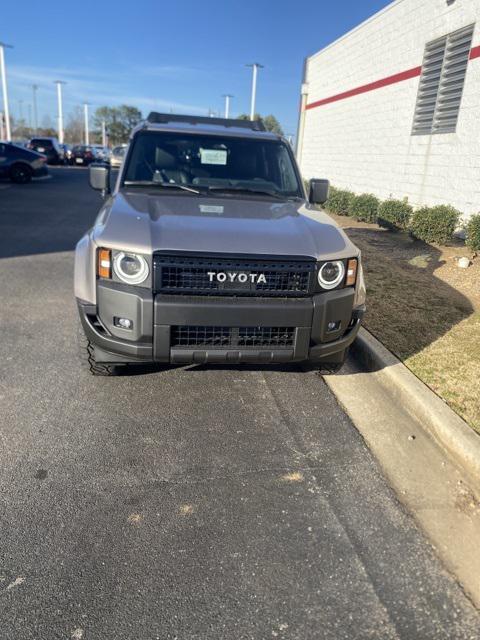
(209, 250)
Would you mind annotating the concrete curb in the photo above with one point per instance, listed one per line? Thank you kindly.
(448, 429)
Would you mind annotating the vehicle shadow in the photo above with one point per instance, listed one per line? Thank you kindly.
(148, 369)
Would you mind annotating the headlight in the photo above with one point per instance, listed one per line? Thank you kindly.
(331, 274)
(130, 267)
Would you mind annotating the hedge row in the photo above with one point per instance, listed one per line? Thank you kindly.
(431, 224)
(473, 233)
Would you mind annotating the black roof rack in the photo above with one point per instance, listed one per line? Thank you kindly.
(163, 118)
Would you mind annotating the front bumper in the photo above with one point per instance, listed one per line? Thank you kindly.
(170, 328)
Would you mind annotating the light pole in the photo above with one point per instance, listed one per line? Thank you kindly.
(87, 132)
(227, 97)
(59, 84)
(104, 134)
(20, 109)
(3, 73)
(255, 67)
(35, 112)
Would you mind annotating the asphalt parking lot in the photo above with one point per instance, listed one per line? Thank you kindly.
(189, 503)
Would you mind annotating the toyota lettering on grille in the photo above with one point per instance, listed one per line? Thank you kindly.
(234, 276)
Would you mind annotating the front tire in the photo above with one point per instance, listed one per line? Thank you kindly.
(86, 352)
(21, 173)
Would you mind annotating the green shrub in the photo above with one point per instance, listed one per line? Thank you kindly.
(435, 224)
(364, 207)
(339, 201)
(394, 214)
(472, 239)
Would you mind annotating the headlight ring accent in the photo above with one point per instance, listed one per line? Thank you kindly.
(331, 274)
(130, 268)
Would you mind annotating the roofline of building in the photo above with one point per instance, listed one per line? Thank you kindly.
(372, 18)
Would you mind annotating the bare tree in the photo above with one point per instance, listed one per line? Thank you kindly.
(74, 130)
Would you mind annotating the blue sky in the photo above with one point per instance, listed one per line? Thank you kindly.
(169, 55)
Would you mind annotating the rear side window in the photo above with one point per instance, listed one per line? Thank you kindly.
(39, 142)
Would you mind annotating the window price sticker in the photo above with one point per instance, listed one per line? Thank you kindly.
(213, 156)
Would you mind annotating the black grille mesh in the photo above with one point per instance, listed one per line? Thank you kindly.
(227, 337)
(192, 275)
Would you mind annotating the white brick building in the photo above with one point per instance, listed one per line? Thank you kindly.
(393, 107)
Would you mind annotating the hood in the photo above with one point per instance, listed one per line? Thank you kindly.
(143, 221)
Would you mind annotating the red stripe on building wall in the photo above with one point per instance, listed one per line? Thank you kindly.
(378, 84)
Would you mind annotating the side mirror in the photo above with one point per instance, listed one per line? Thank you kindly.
(100, 177)
(318, 191)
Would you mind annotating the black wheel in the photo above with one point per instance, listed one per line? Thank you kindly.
(21, 173)
(86, 352)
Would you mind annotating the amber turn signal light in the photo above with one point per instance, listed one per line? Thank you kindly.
(351, 272)
(104, 265)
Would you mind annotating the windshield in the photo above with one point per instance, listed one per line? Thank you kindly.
(213, 162)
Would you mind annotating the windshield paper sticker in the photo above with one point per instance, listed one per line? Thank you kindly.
(210, 208)
(213, 156)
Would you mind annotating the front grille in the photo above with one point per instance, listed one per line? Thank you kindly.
(223, 276)
(232, 337)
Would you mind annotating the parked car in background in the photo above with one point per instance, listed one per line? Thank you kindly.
(101, 153)
(49, 147)
(83, 155)
(117, 156)
(21, 165)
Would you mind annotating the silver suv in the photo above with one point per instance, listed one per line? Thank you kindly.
(209, 250)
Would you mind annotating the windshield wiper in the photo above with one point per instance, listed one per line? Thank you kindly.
(162, 185)
(263, 192)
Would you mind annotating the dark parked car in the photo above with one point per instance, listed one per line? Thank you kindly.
(49, 147)
(83, 155)
(20, 164)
